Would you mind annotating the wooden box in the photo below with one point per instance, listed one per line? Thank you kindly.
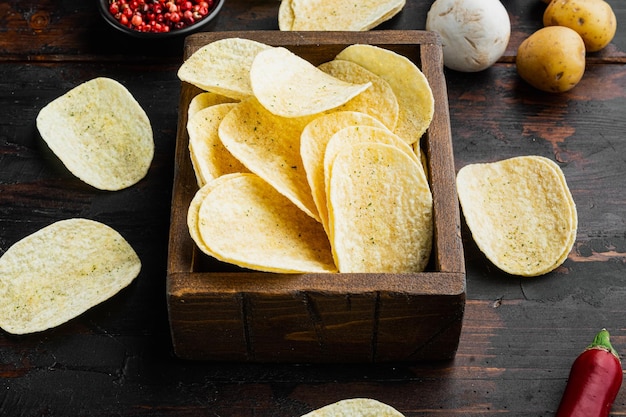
(220, 312)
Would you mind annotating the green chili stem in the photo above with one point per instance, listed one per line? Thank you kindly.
(603, 341)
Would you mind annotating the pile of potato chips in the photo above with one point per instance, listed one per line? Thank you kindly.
(305, 168)
(520, 212)
(347, 15)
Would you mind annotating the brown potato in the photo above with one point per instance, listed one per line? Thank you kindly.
(552, 59)
(593, 20)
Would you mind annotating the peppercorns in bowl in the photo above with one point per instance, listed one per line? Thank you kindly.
(159, 18)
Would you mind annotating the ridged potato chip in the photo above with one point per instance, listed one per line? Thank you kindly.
(100, 133)
(342, 15)
(520, 212)
(61, 271)
(413, 92)
(290, 86)
(246, 222)
(223, 67)
(380, 210)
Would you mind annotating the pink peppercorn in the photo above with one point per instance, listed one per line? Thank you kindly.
(159, 15)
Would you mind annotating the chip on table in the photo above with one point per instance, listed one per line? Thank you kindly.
(100, 133)
(520, 212)
(355, 407)
(60, 271)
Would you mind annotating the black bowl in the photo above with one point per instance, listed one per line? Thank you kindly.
(110, 19)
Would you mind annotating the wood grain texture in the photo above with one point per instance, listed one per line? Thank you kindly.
(519, 336)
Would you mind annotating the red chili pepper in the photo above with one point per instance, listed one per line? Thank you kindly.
(594, 380)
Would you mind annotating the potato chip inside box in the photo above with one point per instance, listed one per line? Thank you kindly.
(219, 311)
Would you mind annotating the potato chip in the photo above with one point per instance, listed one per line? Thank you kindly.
(340, 15)
(569, 243)
(285, 15)
(223, 67)
(380, 210)
(194, 209)
(378, 101)
(520, 212)
(100, 133)
(411, 87)
(313, 141)
(246, 222)
(269, 146)
(204, 100)
(61, 271)
(210, 158)
(391, 12)
(569, 240)
(290, 86)
(361, 134)
(356, 407)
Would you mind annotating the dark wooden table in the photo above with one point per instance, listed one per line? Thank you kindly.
(520, 335)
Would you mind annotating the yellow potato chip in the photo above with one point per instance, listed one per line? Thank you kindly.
(194, 209)
(210, 158)
(289, 86)
(100, 133)
(355, 407)
(61, 271)
(342, 15)
(269, 146)
(380, 210)
(313, 141)
(204, 100)
(392, 11)
(222, 66)
(520, 212)
(378, 101)
(411, 87)
(569, 242)
(285, 15)
(246, 222)
(362, 134)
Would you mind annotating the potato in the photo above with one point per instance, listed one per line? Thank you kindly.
(593, 20)
(552, 59)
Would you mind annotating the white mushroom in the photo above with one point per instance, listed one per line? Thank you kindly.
(475, 33)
